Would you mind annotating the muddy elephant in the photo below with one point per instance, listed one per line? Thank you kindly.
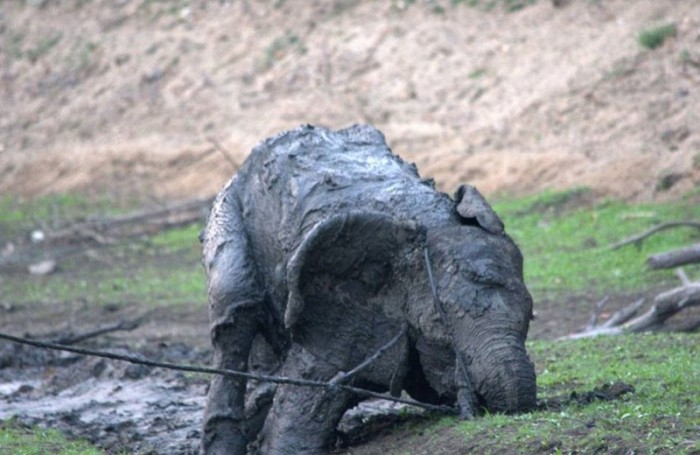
(320, 245)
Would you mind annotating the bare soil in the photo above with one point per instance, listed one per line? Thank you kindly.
(165, 98)
(152, 100)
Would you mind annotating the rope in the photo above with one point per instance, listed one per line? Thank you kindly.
(224, 372)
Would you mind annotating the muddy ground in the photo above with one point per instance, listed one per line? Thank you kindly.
(153, 101)
(127, 408)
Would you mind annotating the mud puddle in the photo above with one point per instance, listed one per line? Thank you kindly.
(127, 408)
(118, 406)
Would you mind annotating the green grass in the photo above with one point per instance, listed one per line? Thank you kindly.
(150, 282)
(161, 269)
(508, 5)
(655, 37)
(20, 215)
(662, 415)
(565, 241)
(38, 441)
(564, 237)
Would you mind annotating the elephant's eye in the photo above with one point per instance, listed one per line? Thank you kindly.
(488, 271)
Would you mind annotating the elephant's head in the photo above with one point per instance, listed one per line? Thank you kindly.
(486, 310)
(358, 277)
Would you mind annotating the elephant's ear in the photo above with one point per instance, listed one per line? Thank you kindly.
(344, 263)
(472, 207)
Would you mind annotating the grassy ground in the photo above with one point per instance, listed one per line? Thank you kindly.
(22, 441)
(564, 237)
(565, 241)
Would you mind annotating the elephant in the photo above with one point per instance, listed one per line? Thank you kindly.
(321, 249)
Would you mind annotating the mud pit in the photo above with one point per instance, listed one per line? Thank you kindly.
(123, 407)
(116, 405)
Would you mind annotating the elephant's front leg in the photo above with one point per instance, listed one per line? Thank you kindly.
(224, 417)
(236, 313)
(303, 419)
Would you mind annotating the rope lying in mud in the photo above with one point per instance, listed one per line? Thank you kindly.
(241, 374)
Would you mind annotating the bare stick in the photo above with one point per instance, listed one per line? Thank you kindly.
(121, 325)
(680, 273)
(624, 315)
(675, 258)
(637, 239)
(220, 148)
(343, 377)
(665, 305)
(596, 312)
(234, 373)
(160, 216)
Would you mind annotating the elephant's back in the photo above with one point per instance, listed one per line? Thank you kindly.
(294, 180)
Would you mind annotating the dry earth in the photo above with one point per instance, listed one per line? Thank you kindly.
(164, 97)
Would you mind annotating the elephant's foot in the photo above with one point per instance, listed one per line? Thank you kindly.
(303, 419)
(223, 437)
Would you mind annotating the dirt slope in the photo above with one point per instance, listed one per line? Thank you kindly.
(165, 97)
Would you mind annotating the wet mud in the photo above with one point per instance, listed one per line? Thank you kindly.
(128, 408)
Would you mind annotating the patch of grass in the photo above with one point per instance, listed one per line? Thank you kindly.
(151, 279)
(476, 73)
(43, 47)
(696, 161)
(565, 239)
(662, 415)
(280, 47)
(37, 441)
(161, 269)
(20, 216)
(179, 239)
(508, 5)
(655, 37)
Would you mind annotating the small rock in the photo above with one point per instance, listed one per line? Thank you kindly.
(38, 236)
(43, 268)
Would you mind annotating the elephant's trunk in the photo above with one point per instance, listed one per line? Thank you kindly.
(503, 376)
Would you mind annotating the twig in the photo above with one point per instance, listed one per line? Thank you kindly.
(680, 273)
(596, 312)
(623, 315)
(91, 228)
(121, 325)
(224, 372)
(637, 239)
(220, 148)
(343, 377)
(665, 305)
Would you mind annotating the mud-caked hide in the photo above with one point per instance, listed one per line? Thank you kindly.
(318, 244)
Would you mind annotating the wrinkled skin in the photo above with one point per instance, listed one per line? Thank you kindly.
(315, 257)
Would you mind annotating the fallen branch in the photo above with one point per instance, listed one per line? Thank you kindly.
(233, 373)
(116, 327)
(99, 229)
(675, 258)
(624, 315)
(665, 305)
(637, 239)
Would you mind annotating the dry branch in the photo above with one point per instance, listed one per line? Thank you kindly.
(637, 239)
(665, 305)
(78, 337)
(135, 223)
(675, 258)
